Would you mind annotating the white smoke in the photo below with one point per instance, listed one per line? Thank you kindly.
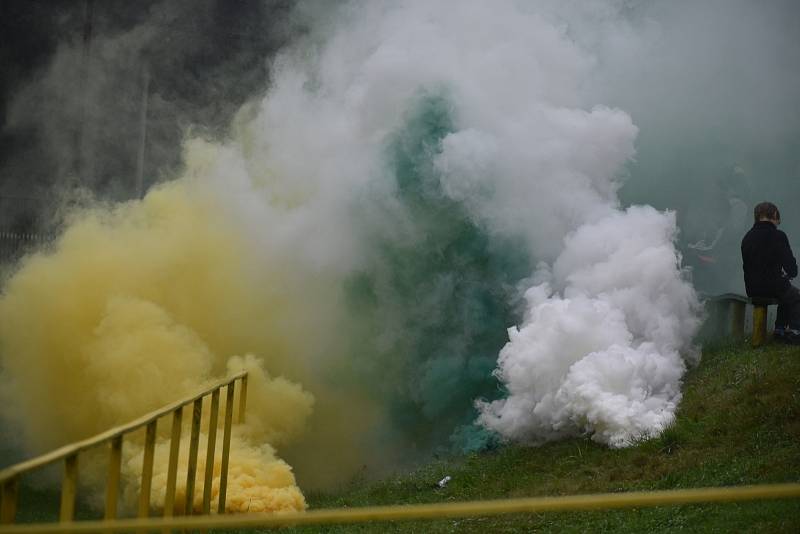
(532, 154)
(535, 155)
(602, 353)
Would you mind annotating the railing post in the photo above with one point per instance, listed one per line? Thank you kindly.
(147, 468)
(194, 442)
(172, 467)
(242, 399)
(8, 506)
(69, 488)
(212, 442)
(112, 483)
(226, 446)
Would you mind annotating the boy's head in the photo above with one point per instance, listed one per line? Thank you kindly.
(767, 211)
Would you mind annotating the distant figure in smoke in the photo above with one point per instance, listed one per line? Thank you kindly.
(725, 217)
(768, 265)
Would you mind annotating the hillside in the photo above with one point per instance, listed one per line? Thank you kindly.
(739, 423)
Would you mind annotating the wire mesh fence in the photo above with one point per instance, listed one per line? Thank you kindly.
(21, 225)
(14, 245)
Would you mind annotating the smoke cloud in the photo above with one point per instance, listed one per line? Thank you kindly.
(710, 85)
(490, 155)
(433, 220)
(100, 95)
(600, 350)
(138, 305)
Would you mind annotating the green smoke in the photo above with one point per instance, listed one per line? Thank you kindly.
(437, 297)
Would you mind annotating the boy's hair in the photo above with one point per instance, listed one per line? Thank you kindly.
(766, 210)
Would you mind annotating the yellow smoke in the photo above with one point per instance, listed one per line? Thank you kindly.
(136, 306)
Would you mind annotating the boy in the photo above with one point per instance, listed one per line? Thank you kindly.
(768, 265)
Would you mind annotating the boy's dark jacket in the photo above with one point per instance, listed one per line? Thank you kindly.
(767, 260)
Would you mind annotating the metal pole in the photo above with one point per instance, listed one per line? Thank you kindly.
(194, 442)
(147, 469)
(69, 488)
(210, 449)
(242, 400)
(226, 447)
(81, 149)
(114, 466)
(172, 465)
(8, 507)
(142, 132)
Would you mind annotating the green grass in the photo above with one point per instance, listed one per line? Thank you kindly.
(739, 423)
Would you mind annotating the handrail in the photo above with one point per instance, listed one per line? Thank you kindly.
(598, 501)
(74, 448)
(10, 476)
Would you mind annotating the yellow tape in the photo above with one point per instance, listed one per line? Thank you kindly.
(427, 511)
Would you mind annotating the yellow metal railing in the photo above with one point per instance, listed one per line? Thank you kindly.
(10, 480)
(10, 477)
(426, 511)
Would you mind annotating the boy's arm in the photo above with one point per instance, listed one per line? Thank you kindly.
(788, 262)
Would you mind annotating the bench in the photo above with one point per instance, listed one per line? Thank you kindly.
(734, 305)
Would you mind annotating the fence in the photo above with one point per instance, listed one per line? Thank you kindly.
(426, 511)
(10, 477)
(22, 219)
(14, 244)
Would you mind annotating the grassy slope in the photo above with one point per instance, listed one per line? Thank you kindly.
(739, 423)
